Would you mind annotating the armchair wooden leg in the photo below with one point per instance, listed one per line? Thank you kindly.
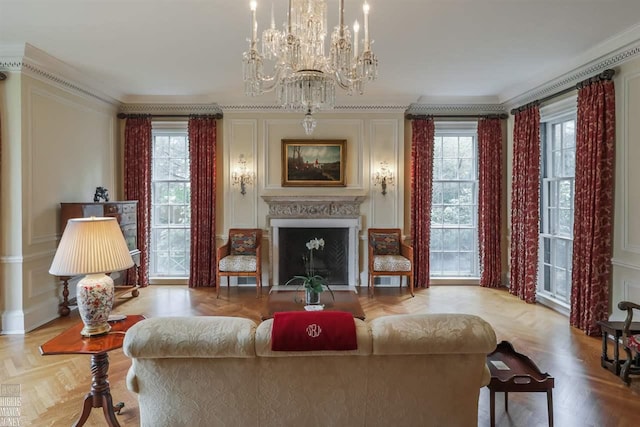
(258, 287)
(217, 286)
(411, 285)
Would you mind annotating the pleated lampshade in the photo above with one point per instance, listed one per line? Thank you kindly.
(89, 246)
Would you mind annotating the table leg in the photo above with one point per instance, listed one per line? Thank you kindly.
(100, 394)
(550, 407)
(506, 401)
(63, 309)
(616, 353)
(492, 407)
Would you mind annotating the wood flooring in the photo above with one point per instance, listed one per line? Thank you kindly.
(585, 394)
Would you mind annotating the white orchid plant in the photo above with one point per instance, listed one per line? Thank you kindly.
(312, 281)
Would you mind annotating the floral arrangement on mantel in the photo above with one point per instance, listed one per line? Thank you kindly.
(312, 283)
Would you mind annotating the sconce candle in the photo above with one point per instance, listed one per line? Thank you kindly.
(241, 175)
(383, 176)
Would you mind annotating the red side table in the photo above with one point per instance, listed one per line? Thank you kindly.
(71, 342)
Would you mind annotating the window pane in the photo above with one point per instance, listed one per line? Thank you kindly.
(449, 169)
(437, 169)
(450, 239)
(450, 215)
(450, 193)
(569, 134)
(569, 163)
(437, 215)
(437, 193)
(466, 147)
(467, 191)
(437, 147)
(436, 239)
(465, 169)
(450, 147)
(161, 147)
(465, 215)
(467, 239)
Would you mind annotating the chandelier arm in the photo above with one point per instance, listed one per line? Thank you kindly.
(269, 83)
(344, 82)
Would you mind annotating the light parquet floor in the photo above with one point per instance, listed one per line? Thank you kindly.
(585, 394)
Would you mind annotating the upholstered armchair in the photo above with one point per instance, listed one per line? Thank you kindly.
(389, 256)
(631, 343)
(240, 256)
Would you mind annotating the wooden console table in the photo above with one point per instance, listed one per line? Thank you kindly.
(515, 372)
(71, 342)
(613, 331)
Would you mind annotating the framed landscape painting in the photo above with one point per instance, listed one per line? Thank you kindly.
(313, 163)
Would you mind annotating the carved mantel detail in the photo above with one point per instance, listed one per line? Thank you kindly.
(314, 206)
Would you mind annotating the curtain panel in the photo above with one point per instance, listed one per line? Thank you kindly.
(490, 201)
(593, 215)
(423, 131)
(137, 183)
(525, 204)
(202, 155)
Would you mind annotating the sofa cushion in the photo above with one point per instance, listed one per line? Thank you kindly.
(263, 343)
(243, 243)
(432, 334)
(391, 263)
(191, 337)
(385, 243)
(238, 263)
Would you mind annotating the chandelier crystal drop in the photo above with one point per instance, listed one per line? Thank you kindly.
(303, 77)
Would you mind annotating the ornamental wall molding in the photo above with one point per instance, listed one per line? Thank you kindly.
(471, 109)
(33, 62)
(247, 108)
(143, 108)
(314, 206)
(565, 81)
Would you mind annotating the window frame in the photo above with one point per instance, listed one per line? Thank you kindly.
(160, 128)
(553, 115)
(459, 129)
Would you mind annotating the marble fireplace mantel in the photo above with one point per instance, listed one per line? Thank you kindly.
(315, 212)
(314, 206)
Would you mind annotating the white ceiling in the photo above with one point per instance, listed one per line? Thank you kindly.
(429, 50)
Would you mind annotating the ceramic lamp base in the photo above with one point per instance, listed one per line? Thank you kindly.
(95, 297)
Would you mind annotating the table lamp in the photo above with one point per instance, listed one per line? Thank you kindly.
(92, 246)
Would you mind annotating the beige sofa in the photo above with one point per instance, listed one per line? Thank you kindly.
(409, 370)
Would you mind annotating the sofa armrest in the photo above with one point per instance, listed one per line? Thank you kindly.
(432, 334)
(191, 337)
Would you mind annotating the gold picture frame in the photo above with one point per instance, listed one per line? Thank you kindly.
(313, 163)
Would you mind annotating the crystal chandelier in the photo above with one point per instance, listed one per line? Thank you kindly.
(303, 77)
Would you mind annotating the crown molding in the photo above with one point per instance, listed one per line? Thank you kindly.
(621, 49)
(470, 109)
(168, 109)
(31, 61)
(247, 108)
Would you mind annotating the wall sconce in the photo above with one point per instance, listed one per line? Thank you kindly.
(383, 176)
(241, 175)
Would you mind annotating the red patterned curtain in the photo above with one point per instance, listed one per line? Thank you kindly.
(137, 183)
(202, 155)
(421, 189)
(525, 204)
(593, 224)
(490, 201)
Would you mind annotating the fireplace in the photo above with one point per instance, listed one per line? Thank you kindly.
(296, 220)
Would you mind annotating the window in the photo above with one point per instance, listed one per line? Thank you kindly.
(170, 202)
(454, 209)
(557, 196)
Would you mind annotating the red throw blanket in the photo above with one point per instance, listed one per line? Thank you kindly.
(307, 331)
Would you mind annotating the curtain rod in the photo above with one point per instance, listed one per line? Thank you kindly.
(455, 116)
(137, 116)
(3, 76)
(605, 75)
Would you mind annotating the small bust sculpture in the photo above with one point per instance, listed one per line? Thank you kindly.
(101, 194)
